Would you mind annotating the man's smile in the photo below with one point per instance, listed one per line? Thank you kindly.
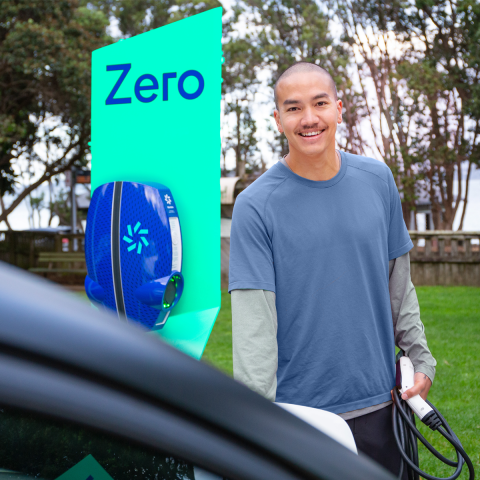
(314, 134)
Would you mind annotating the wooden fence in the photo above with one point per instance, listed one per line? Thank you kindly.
(23, 249)
(445, 258)
(438, 257)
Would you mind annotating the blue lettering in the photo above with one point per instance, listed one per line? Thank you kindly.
(118, 101)
(139, 87)
(181, 81)
(166, 76)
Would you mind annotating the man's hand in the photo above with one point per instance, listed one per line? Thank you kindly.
(421, 387)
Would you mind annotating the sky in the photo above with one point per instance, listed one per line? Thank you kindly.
(262, 111)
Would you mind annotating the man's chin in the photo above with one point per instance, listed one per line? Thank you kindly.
(311, 150)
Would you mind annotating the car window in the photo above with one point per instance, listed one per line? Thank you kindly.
(36, 446)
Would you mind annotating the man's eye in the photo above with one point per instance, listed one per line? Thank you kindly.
(291, 109)
(323, 103)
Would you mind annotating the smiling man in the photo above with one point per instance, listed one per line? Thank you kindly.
(320, 274)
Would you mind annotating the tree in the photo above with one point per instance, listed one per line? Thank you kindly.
(45, 49)
(243, 140)
(60, 206)
(35, 204)
(139, 16)
(450, 32)
(240, 82)
(422, 59)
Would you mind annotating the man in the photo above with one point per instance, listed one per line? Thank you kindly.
(320, 274)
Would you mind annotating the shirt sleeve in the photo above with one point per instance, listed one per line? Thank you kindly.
(408, 328)
(254, 340)
(251, 257)
(399, 241)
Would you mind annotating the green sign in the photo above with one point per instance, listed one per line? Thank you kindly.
(156, 118)
(87, 469)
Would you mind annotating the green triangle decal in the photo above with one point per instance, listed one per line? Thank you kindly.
(87, 469)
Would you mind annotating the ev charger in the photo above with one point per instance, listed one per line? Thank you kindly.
(133, 251)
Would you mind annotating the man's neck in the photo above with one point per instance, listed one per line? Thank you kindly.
(320, 168)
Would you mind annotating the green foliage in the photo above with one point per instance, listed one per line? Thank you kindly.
(45, 49)
(243, 139)
(297, 31)
(240, 83)
(139, 16)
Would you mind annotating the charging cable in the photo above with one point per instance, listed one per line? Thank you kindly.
(406, 433)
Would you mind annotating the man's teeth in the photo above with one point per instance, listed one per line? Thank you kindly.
(311, 134)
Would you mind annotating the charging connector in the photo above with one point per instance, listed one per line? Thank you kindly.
(406, 433)
(431, 420)
(406, 381)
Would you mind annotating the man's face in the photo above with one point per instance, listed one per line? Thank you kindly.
(307, 105)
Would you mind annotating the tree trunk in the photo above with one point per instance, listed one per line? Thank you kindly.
(6, 217)
(460, 227)
(240, 164)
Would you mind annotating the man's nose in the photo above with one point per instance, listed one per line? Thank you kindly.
(309, 117)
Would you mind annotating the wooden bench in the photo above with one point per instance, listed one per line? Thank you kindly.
(60, 258)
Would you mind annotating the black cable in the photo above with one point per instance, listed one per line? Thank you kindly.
(414, 448)
(406, 435)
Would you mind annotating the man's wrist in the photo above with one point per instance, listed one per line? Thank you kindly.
(427, 370)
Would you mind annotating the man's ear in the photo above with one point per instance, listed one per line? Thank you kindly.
(339, 108)
(276, 116)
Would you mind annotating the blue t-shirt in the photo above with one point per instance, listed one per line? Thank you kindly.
(323, 247)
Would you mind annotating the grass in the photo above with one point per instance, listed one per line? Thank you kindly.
(451, 316)
(218, 351)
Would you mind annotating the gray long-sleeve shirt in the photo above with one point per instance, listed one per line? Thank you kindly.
(254, 333)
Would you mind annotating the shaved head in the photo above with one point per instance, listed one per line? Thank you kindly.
(303, 67)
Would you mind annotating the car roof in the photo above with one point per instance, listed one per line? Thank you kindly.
(51, 324)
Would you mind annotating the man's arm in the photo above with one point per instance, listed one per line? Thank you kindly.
(408, 328)
(254, 340)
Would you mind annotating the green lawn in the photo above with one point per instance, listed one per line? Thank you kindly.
(451, 316)
(218, 351)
